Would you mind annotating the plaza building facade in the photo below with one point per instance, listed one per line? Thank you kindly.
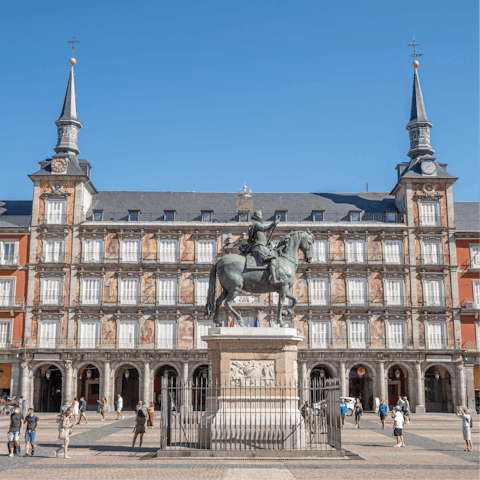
(117, 282)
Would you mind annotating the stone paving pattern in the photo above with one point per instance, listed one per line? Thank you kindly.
(100, 450)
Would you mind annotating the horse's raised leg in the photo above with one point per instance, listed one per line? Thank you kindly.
(281, 302)
(228, 303)
(218, 304)
(294, 300)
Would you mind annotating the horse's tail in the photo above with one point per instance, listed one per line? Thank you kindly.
(212, 291)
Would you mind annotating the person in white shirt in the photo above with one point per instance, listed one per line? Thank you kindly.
(119, 402)
(398, 427)
(467, 436)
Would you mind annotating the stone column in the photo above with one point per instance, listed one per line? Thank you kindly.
(469, 380)
(25, 377)
(107, 391)
(185, 400)
(381, 374)
(343, 380)
(411, 387)
(462, 388)
(420, 407)
(69, 387)
(304, 390)
(147, 397)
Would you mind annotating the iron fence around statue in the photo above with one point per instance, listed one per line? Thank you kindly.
(201, 415)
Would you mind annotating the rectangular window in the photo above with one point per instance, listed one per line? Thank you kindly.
(93, 251)
(54, 251)
(358, 334)
(436, 335)
(205, 251)
(201, 291)
(134, 215)
(8, 253)
(167, 291)
(55, 212)
(128, 334)
(476, 293)
(397, 334)
(394, 292)
(475, 255)
(7, 292)
(131, 251)
(433, 294)
(317, 216)
(431, 252)
(355, 251)
(51, 291)
(391, 217)
(243, 217)
(202, 330)
(166, 334)
(169, 215)
(91, 291)
(5, 334)
(356, 291)
(319, 251)
(206, 216)
(428, 213)
(319, 291)
(393, 252)
(129, 291)
(89, 335)
(167, 251)
(48, 333)
(97, 216)
(282, 215)
(320, 337)
(354, 216)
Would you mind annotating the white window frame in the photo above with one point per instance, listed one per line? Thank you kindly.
(328, 331)
(355, 257)
(169, 343)
(200, 344)
(365, 290)
(90, 343)
(426, 282)
(121, 298)
(15, 259)
(199, 301)
(423, 217)
(54, 343)
(428, 325)
(388, 292)
(311, 290)
(60, 291)
(167, 258)
(477, 335)
(121, 343)
(474, 255)
(99, 294)
(202, 257)
(126, 258)
(56, 218)
(13, 289)
(476, 293)
(53, 256)
(355, 344)
(9, 322)
(428, 257)
(316, 256)
(390, 338)
(169, 300)
(390, 257)
(89, 257)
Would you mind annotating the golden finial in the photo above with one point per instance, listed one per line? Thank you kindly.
(73, 61)
(245, 193)
(415, 63)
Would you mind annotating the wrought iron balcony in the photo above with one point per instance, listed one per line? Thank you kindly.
(9, 260)
(53, 219)
(430, 221)
(432, 259)
(11, 302)
(470, 305)
(50, 300)
(439, 302)
(56, 258)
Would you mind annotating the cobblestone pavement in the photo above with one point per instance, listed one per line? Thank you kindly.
(434, 450)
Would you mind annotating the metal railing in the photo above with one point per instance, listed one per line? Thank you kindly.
(469, 304)
(9, 259)
(55, 257)
(381, 342)
(53, 219)
(11, 301)
(438, 302)
(429, 220)
(432, 259)
(145, 258)
(249, 416)
(470, 345)
(388, 217)
(50, 300)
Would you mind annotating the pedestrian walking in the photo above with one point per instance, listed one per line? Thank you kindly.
(82, 411)
(119, 403)
(101, 408)
(14, 432)
(358, 409)
(400, 403)
(398, 427)
(31, 422)
(382, 411)
(406, 410)
(64, 431)
(150, 410)
(343, 411)
(139, 406)
(323, 410)
(74, 407)
(466, 422)
(139, 429)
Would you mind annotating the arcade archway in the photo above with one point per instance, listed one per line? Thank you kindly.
(48, 384)
(157, 384)
(360, 385)
(438, 389)
(127, 382)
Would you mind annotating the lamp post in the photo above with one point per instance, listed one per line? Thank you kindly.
(89, 374)
(48, 373)
(397, 374)
(127, 374)
(437, 374)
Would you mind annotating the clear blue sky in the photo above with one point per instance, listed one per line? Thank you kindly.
(204, 95)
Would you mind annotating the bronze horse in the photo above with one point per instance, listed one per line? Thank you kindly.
(235, 277)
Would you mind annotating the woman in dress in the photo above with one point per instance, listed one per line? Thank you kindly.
(139, 429)
(102, 406)
(65, 430)
(150, 410)
(75, 407)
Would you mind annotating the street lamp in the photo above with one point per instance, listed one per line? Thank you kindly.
(127, 374)
(437, 374)
(397, 374)
(89, 374)
(47, 374)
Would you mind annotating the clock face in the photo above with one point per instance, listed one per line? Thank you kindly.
(428, 167)
(59, 165)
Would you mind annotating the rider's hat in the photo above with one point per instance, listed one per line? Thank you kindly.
(257, 215)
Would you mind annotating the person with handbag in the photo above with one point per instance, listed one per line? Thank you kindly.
(101, 408)
(358, 409)
(65, 430)
(139, 429)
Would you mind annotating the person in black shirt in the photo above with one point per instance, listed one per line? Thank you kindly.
(16, 428)
(31, 422)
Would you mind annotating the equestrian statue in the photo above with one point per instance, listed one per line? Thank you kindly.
(258, 268)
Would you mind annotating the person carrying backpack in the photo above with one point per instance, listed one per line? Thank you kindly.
(406, 410)
(382, 411)
(358, 409)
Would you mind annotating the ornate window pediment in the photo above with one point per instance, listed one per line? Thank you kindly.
(131, 234)
(102, 235)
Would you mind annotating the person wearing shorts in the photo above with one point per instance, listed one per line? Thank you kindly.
(406, 410)
(343, 411)
(16, 429)
(398, 427)
(358, 409)
(467, 434)
(82, 411)
(119, 402)
(382, 411)
(31, 425)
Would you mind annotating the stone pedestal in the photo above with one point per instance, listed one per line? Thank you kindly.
(255, 391)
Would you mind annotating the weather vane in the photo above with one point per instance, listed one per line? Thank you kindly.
(73, 42)
(415, 54)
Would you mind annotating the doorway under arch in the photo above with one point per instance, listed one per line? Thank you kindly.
(88, 385)
(199, 387)
(318, 375)
(127, 382)
(157, 384)
(438, 389)
(397, 384)
(48, 389)
(360, 385)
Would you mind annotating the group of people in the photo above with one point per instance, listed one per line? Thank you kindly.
(17, 424)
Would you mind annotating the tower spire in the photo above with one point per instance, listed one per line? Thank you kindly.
(68, 124)
(418, 127)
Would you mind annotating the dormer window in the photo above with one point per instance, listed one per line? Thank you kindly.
(133, 215)
(243, 217)
(391, 217)
(317, 216)
(354, 216)
(97, 215)
(169, 215)
(207, 216)
(282, 214)
(85, 169)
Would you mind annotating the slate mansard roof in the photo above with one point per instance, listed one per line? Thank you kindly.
(467, 216)
(15, 213)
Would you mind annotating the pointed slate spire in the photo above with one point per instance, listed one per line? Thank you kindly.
(418, 126)
(68, 124)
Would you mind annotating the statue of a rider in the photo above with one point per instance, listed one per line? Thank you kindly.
(257, 242)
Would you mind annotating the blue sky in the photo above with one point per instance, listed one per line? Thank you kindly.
(205, 95)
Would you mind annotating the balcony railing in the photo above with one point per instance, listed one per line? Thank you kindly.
(471, 345)
(437, 302)
(432, 259)
(50, 300)
(55, 258)
(387, 217)
(9, 301)
(145, 258)
(430, 220)
(469, 304)
(52, 219)
(362, 259)
(9, 260)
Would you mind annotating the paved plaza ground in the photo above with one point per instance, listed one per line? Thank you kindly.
(100, 450)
